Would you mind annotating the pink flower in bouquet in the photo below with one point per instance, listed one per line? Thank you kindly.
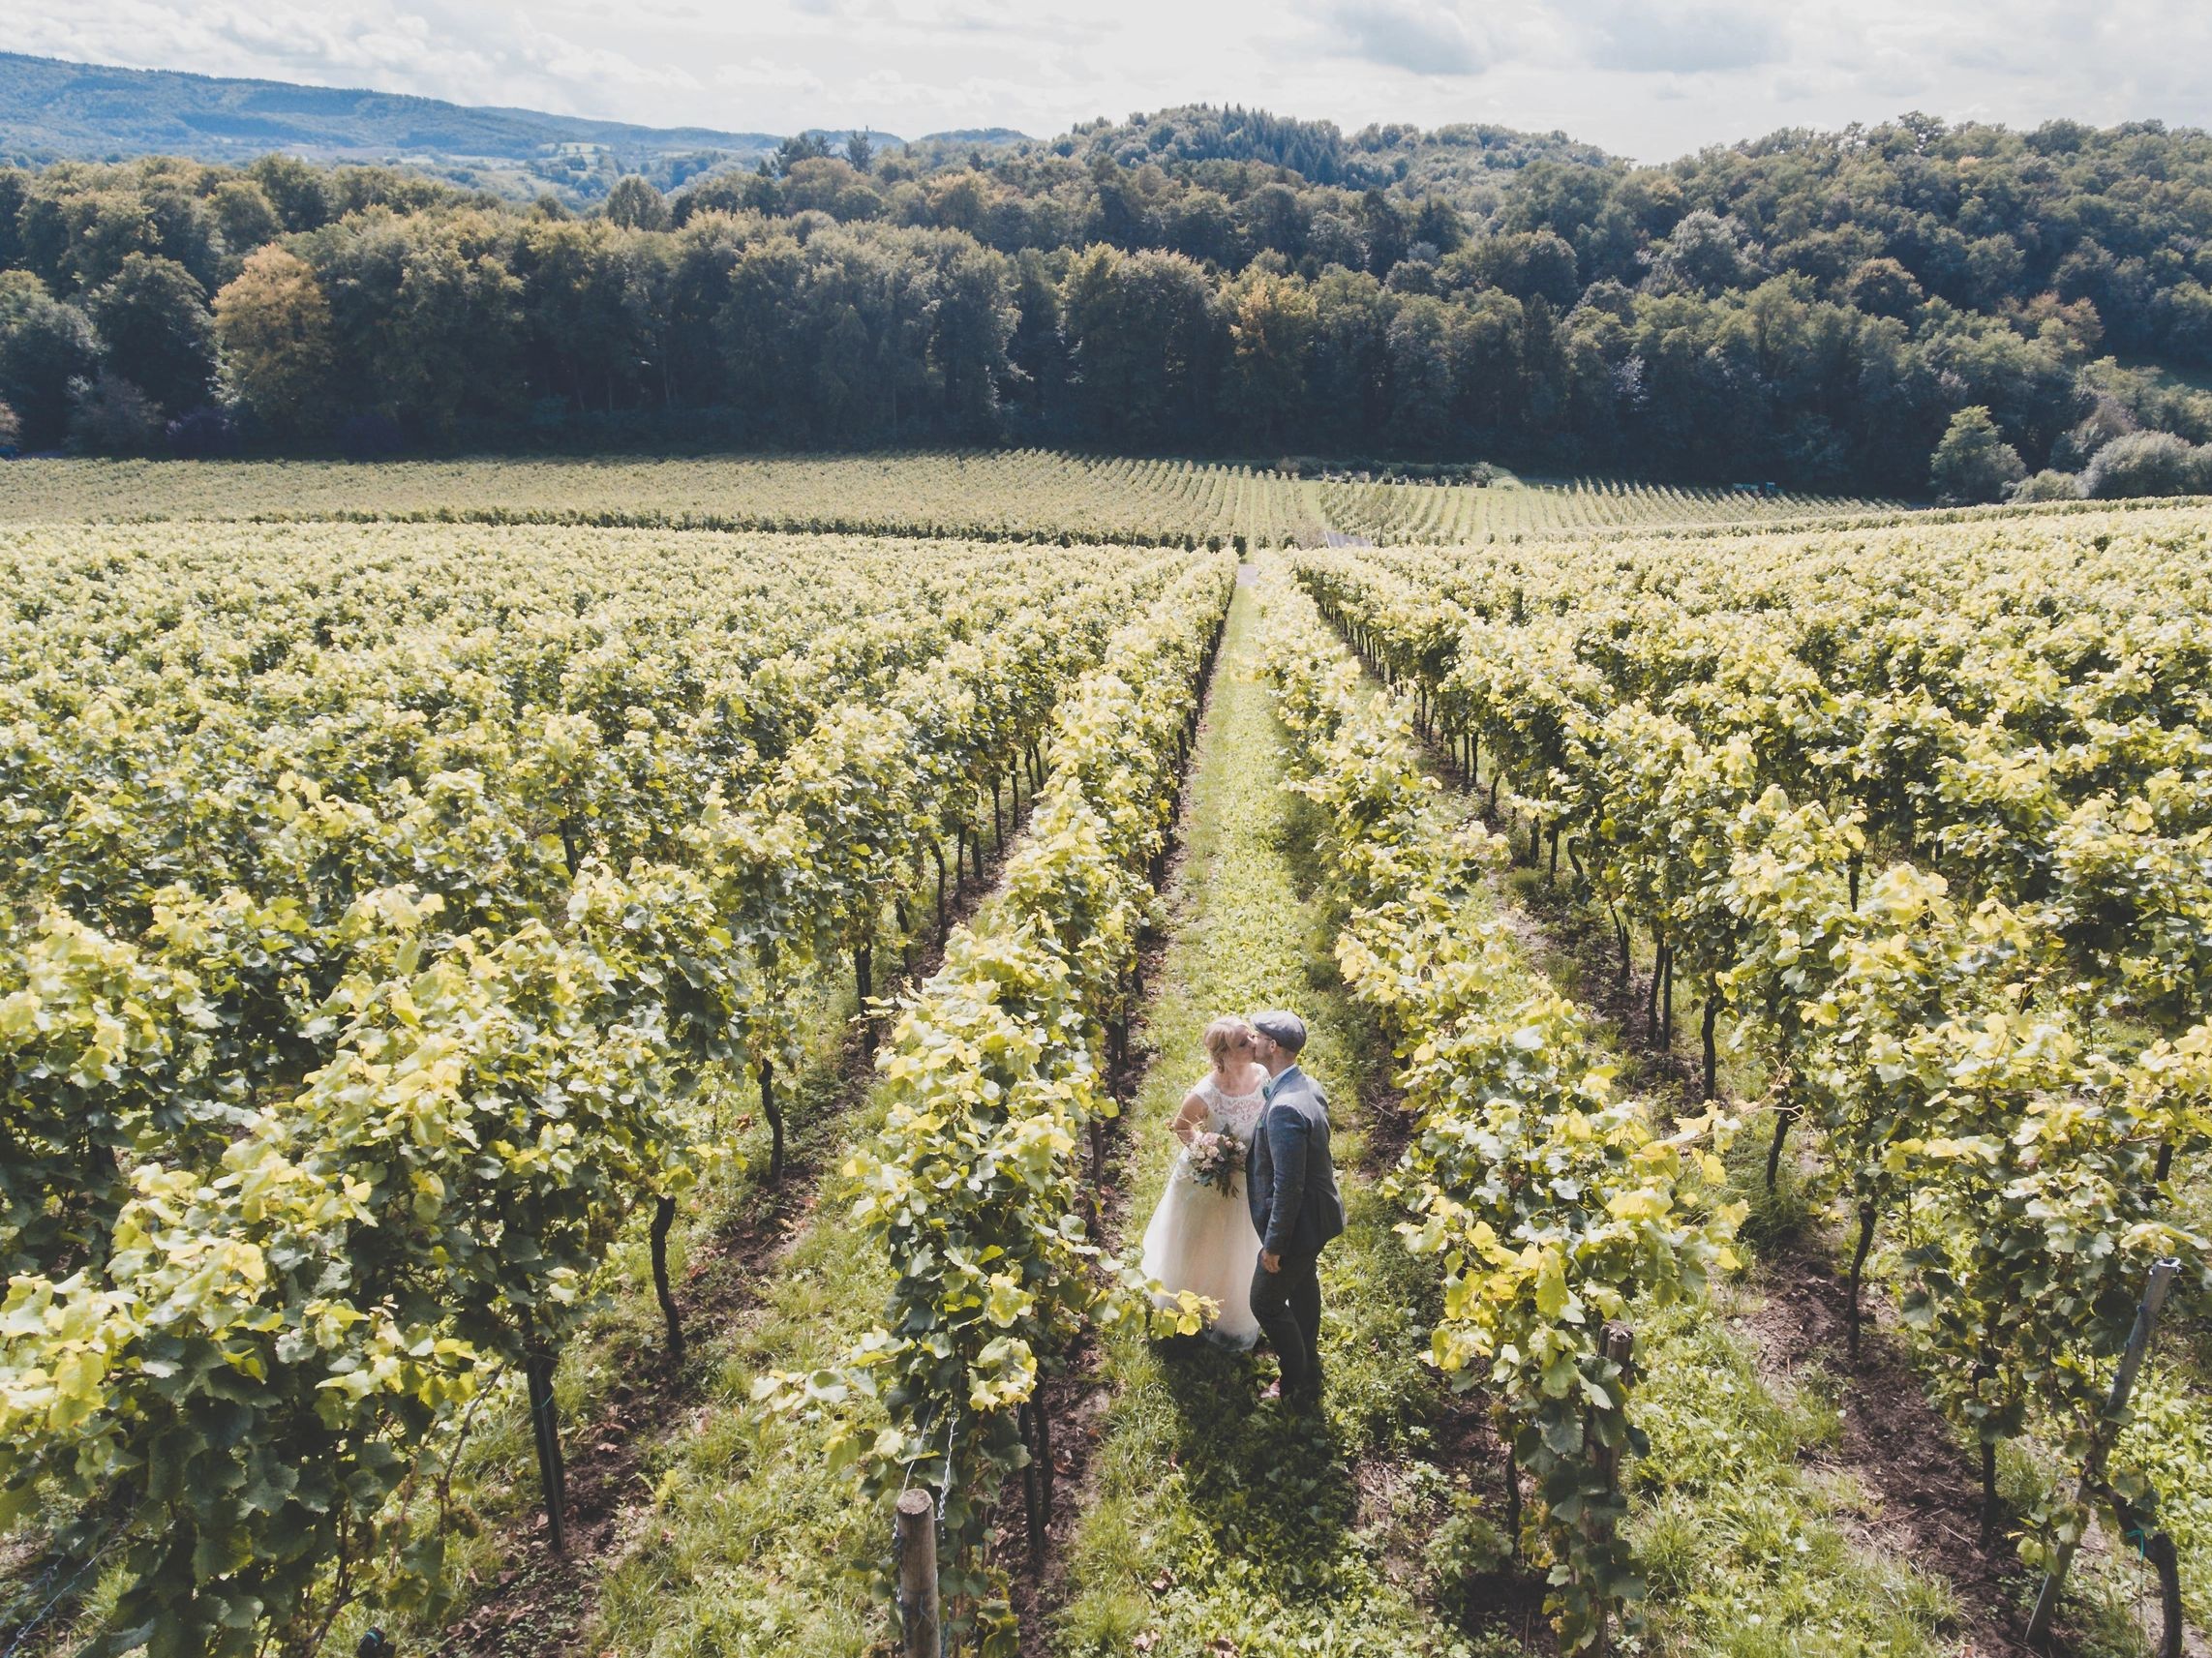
(1215, 1159)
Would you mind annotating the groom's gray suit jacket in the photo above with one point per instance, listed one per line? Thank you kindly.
(1290, 1183)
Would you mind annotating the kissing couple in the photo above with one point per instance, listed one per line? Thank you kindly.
(1252, 1198)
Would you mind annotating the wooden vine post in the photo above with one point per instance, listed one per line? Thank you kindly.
(545, 1430)
(2161, 1277)
(918, 1617)
(1618, 1344)
(1036, 1482)
(663, 1218)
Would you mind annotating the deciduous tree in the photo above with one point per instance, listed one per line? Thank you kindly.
(635, 205)
(45, 344)
(1974, 463)
(153, 317)
(273, 322)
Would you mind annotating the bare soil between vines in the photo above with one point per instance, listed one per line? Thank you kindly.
(1928, 1495)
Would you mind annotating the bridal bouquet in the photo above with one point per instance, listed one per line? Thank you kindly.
(1215, 1159)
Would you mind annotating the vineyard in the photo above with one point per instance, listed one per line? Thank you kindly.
(576, 1033)
(1447, 514)
(993, 496)
(398, 910)
(1920, 821)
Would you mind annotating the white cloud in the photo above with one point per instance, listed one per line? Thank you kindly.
(1646, 77)
(571, 63)
(1642, 35)
(760, 74)
(1424, 39)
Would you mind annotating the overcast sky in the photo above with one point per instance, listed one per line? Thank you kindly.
(1648, 79)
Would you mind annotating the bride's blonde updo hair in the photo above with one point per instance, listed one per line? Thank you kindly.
(1223, 1034)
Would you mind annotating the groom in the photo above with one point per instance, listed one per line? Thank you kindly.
(1291, 1187)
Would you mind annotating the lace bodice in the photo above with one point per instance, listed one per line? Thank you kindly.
(1230, 1113)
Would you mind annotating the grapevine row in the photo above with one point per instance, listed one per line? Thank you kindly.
(1930, 826)
(997, 1079)
(1551, 1204)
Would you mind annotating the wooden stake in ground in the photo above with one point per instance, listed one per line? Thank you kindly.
(545, 1429)
(664, 1218)
(1618, 1344)
(2162, 1279)
(916, 1530)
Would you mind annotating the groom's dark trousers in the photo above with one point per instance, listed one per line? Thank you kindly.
(1288, 1306)
(1292, 1185)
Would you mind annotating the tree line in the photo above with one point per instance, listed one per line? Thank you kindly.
(1821, 308)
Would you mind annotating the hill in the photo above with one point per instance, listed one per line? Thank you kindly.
(56, 110)
(50, 109)
(1376, 157)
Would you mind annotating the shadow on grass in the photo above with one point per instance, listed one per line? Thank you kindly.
(1268, 1484)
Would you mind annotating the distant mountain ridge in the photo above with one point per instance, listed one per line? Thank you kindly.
(87, 110)
(56, 110)
(51, 110)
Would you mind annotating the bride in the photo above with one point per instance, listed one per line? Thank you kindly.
(1201, 1238)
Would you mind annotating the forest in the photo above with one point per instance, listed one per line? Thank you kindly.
(1914, 309)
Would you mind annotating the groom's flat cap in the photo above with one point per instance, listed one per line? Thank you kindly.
(1287, 1028)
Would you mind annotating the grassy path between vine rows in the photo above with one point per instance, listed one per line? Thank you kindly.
(1789, 1504)
(742, 1541)
(1211, 1522)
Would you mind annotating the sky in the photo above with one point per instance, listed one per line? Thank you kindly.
(1644, 79)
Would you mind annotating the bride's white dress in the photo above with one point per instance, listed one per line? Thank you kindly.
(1201, 1238)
